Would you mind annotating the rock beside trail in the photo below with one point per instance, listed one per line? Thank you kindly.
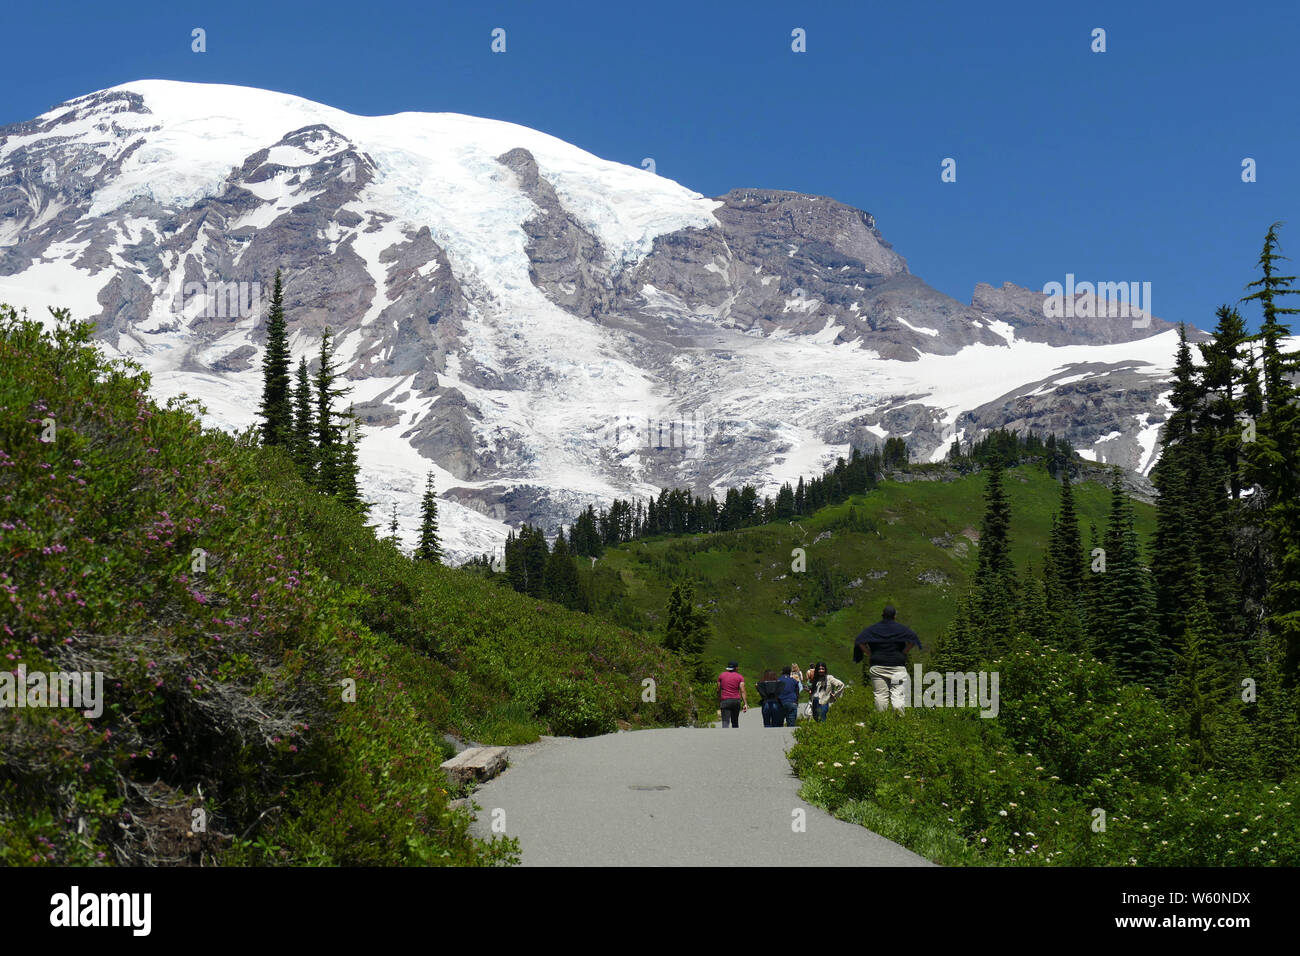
(474, 765)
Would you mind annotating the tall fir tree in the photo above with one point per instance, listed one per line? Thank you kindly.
(562, 584)
(1276, 727)
(1063, 577)
(527, 555)
(276, 409)
(1173, 555)
(996, 590)
(303, 445)
(1221, 377)
(959, 649)
(1273, 459)
(995, 530)
(329, 447)
(686, 629)
(1034, 617)
(429, 548)
(1185, 396)
(1200, 687)
(392, 528)
(349, 468)
(516, 571)
(1126, 633)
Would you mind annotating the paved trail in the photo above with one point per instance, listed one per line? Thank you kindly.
(676, 797)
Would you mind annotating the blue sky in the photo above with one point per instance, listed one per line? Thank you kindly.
(1115, 166)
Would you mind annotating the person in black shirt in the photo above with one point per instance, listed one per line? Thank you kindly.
(882, 648)
(769, 692)
(789, 694)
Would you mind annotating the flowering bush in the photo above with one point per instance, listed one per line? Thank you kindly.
(1077, 769)
(266, 660)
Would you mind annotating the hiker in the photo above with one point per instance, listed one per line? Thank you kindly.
(882, 648)
(788, 695)
(769, 690)
(824, 689)
(731, 695)
(802, 678)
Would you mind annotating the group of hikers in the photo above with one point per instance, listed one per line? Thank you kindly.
(882, 650)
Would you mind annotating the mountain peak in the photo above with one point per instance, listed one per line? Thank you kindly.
(535, 325)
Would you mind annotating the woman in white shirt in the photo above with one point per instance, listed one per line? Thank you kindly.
(824, 690)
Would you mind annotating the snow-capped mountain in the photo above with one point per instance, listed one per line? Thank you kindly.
(540, 327)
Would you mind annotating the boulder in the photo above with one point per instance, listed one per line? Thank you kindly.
(475, 764)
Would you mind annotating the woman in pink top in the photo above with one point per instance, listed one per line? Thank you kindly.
(731, 695)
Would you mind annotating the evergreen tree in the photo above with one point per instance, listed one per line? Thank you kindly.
(516, 571)
(784, 508)
(584, 538)
(1185, 397)
(392, 528)
(1192, 553)
(1065, 548)
(303, 448)
(960, 649)
(1279, 366)
(1277, 724)
(1273, 459)
(1125, 635)
(562, 585)
(429, 548)
(1092, 591)
(1063, 578)
(349, 469)
(1174, 554)
(995, 603)
(995, 544)
(329, 449)
(1034, 618)
(534, 555)
(276, 409)
(1220, 377)
(686, 629)
(1199, 686)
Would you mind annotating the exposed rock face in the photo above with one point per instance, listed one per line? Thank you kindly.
(540, 328)
(785, 263)
(1089, 319)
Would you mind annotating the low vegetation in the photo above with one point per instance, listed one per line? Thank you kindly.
(277, 680)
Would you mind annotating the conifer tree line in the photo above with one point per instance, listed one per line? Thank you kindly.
(1210, 616)
(533, 567)
(539, 570)
(301, 413)
(679, 511)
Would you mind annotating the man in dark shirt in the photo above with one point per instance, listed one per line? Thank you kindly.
(788, 695)
(883, 648)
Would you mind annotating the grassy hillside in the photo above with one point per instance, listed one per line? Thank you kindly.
(277, 682)
(906, 542)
